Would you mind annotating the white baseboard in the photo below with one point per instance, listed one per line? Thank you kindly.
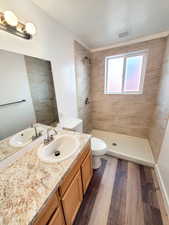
(162, 188)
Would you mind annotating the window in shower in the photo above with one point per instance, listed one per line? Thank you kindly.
(124, 74)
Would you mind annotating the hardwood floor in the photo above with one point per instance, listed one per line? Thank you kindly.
(122, 193)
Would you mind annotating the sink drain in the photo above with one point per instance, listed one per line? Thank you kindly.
(57, 153)
(114, 144)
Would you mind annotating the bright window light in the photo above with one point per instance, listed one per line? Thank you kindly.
(115, 74)
(124, 73)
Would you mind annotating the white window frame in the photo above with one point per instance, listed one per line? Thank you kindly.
(126, 55)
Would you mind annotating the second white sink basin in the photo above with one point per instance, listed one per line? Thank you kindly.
(63, 147)
(24, 137)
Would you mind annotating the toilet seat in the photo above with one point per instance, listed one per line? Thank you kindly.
(98, 146)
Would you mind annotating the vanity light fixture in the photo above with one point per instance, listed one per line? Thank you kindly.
(10, 18)
(9, 22)
(30, 29)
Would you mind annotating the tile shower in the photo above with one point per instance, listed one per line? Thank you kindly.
(134, 115)
(42, 89)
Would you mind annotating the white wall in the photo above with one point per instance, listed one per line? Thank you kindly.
(52, 42)
(163, 167)
(14, 86)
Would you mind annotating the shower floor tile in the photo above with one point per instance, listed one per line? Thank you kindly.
(127, 147)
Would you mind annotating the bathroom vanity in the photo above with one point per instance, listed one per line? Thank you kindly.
(38, 193)
(62, 207)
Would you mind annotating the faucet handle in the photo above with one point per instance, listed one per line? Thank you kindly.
(55, 131)
(51, 138)
(46, 141)
(52, 129)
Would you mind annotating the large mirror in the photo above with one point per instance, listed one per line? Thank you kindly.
(27, 97)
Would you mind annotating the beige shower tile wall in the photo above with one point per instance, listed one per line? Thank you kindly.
(83, 78)
(126, 114)
(42, 89)
(161, 113)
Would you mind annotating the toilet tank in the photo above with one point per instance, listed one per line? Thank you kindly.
(73, 124)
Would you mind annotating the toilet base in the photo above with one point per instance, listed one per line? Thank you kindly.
(96, 162)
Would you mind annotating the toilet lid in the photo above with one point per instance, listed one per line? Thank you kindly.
(97, 144)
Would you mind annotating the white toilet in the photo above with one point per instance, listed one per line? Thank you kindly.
(98, 146)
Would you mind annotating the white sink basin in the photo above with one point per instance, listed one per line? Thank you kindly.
(24, 137)
(64, 145)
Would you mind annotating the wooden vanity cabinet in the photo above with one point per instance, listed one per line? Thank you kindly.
(62, 207)
(87, 171)
(51, 213)
(72, 199)
(75, 185)
(57, 218)
(73, 171)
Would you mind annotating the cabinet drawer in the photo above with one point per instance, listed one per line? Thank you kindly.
(57, 218)
(46, 213)
(68, 179)
(72, 199)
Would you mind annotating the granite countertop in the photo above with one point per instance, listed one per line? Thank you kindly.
(28, 182)
(6, 150)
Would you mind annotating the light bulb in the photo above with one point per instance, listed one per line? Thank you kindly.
(10, 18)
(20, 27)
(30, 28)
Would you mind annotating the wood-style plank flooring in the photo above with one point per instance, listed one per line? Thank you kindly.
(122, 193)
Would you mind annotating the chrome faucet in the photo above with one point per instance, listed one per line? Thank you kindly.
(34, 137)
(49, 137)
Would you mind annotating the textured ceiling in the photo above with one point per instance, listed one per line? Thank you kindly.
(98, 22)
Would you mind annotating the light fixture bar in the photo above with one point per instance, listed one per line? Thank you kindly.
(10, 24)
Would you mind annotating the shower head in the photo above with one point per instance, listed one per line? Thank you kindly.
(86, 59)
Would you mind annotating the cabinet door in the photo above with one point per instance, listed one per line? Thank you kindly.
(72, 172)
(46, 213)
(87, 171)
(72, 199)
(57, 218)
